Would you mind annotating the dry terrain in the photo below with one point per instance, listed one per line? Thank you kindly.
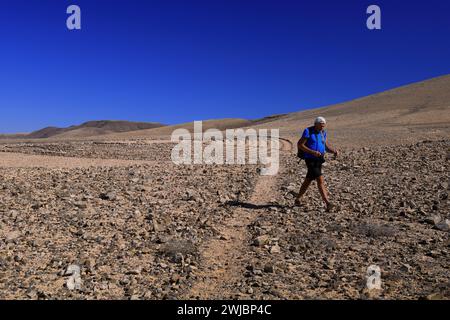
(114, 207)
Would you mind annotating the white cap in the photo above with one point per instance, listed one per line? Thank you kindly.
(320, 120)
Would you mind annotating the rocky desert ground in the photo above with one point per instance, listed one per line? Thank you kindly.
(111, 217)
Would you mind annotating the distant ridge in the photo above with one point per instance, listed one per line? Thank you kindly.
(45, 132)
(92, 128)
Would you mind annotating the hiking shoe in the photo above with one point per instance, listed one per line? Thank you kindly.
(330, 207)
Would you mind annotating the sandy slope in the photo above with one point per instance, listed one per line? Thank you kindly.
(402, 115)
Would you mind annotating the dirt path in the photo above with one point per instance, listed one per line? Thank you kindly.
(221, 265)
(286, 145)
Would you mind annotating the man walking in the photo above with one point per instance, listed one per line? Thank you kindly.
(312, 147)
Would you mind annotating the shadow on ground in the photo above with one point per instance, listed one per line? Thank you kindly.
(248, 205)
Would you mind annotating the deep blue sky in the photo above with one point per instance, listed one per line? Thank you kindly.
(177, 61)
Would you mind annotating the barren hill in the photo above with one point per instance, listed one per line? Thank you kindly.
(406, 114)
(220, 124)
(91, 128)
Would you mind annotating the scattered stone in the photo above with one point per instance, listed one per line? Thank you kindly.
(257, 272)
(111, 196)
(433, 219)
(275, 249)
(175, 278)
(406, 268)
(269, 268)
(156, 226)
(261, 240)
(13, 236)
(190, 195)
(443, 225)
(32, 294)
(89, 263)
(80, 204)
(134, 271)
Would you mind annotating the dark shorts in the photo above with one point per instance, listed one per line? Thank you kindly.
(314, 168)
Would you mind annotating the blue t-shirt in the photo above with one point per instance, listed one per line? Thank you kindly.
(314, 141)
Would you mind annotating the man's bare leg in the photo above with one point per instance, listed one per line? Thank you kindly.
(303, 189)
(323, 192)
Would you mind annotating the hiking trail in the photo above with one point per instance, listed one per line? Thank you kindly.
(221, 265)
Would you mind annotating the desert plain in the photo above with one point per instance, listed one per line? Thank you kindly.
(106, 199)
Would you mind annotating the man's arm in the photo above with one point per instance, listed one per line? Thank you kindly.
(329, 148)
(301, 145)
